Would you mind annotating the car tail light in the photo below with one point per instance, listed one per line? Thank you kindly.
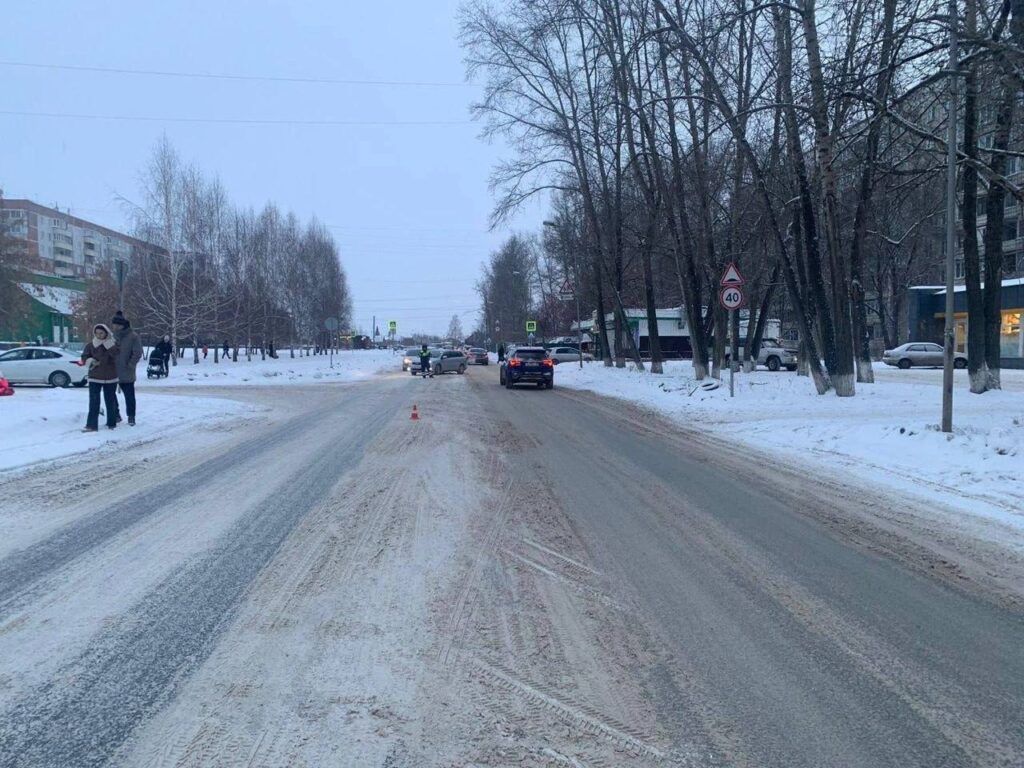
(548, 362)
(514, 363)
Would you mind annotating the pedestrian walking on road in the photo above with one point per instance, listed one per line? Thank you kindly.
(227, 348)
(205, 350)
(501, 353)
(100, 355)
(165, 349)
(129, 353)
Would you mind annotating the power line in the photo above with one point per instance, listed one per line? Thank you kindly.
(396, 301)
(238, 121)
(244, 78)
(411, 281)
(420, 310)
(410, 229)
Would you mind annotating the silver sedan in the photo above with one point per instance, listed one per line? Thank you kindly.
(920, 353)
(568, 355)
(450, 361)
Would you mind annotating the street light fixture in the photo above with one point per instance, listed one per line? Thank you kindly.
(576, 295)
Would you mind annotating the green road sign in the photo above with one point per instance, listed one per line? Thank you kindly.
(531, 326)
(392, 326)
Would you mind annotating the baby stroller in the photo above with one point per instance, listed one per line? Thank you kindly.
(155, 365)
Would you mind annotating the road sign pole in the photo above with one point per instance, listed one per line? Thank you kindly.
(331, 324)
(732, 366)
(732, 297)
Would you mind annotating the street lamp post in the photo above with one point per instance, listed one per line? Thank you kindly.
(949, 330)
(120, 268)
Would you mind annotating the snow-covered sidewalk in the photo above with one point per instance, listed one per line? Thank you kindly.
(348, 365)
(887, 435)
(40, 424)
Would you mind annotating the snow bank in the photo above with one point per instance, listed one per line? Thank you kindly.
(888, 434)
(352, 365)
(39, 423)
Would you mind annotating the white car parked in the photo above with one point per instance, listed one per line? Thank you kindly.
(43, 365)
(568, 355)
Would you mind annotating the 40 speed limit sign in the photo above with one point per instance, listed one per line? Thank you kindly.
(732, 297)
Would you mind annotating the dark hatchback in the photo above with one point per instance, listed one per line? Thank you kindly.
(528, 365)
(478, 356)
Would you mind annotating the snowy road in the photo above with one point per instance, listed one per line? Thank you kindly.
(519, 578)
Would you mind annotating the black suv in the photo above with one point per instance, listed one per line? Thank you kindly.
(527, 365)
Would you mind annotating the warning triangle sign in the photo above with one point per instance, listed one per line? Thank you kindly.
(566, 287)
(732, 276)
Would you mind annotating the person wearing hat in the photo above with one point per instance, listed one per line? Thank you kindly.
(129, 353)
(100, 355)
(166, 349)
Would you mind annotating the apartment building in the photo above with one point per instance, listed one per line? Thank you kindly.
(63, 245)
(1013, 230)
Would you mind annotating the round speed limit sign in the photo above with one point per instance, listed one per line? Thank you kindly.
(732, 297)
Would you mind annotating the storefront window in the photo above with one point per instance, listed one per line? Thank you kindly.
(1011, 342)
(961, 336)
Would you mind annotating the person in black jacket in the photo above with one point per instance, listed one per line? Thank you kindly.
(166, 350)
(501, 352)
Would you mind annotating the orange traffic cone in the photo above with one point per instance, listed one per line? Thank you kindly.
(415, 414)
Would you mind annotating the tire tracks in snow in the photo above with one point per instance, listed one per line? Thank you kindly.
(23, 572)
(287, 683)
(95, 702)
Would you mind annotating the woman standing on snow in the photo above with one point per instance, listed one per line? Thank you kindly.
(100, 355)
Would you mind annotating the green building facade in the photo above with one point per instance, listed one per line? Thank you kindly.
(48, 315)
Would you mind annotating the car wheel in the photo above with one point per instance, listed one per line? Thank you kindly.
(540, 385)
(959, 363)
(554, 361)
(550, 385)
(903, 364)
(462, 369)
(773, 363)
(60, 379)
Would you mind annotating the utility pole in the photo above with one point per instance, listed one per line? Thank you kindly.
(949, 334)
(576, 294)
(120, 267)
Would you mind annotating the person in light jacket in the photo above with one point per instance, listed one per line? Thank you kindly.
(128, 356)
(100, 355)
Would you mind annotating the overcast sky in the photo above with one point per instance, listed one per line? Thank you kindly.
(407, 204)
